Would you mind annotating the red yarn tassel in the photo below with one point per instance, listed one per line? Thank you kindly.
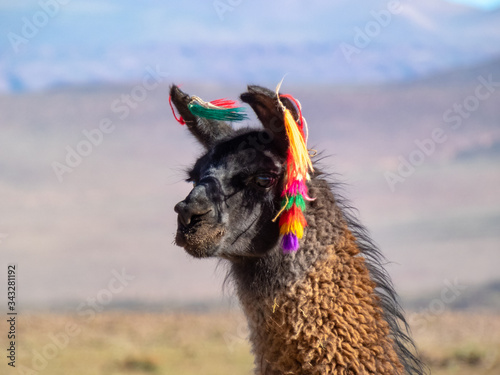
(179, 119)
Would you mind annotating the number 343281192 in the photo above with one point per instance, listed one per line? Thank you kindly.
(11, 287)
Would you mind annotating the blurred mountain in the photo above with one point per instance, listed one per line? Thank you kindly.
(337, 43)
(463, 75)
(489, 151)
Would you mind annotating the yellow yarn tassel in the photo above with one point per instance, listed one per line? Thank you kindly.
(297, 148)
(294, 227)
(299, 160)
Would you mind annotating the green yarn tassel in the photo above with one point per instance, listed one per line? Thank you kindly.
(221, 114)
(298, 200)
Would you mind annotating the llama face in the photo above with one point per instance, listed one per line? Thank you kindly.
(236, 192)
(237, 183)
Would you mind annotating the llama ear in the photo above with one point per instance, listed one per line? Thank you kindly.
(206, 131)
(265, 104)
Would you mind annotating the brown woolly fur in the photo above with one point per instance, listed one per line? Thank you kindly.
(328, 320)
(327, 324)
(328, 308)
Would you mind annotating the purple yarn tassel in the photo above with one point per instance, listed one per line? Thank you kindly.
(289, 243)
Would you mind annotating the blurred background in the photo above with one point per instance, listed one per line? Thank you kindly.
(403, 97)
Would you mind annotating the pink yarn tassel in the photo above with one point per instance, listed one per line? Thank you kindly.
(295, 188)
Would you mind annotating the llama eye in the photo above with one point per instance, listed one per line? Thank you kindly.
(264, 181)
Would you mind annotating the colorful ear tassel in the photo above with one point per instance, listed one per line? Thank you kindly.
(298, 165)
(220, 109)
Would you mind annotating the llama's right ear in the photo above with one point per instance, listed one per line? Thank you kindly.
(206, 131)
(265, 104)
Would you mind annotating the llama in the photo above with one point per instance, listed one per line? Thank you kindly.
(328, 307)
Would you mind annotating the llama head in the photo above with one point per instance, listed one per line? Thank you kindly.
(237, 182)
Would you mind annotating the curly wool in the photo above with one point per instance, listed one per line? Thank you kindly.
(316, 311)
(329, 323)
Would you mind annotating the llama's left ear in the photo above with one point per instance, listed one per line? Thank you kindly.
(206, 131)
(279, 115)
(265, 104)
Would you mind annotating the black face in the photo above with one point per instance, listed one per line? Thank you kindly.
(235, 196)
(237, 183)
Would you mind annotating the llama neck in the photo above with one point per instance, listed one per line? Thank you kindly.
(316, 311)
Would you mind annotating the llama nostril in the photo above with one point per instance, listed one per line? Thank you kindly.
(185, 218)
(183, 212)
(188, 214)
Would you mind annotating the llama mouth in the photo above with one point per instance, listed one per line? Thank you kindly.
(200, 239)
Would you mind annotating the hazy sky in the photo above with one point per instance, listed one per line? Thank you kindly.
(108, 41)
(484, 4)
